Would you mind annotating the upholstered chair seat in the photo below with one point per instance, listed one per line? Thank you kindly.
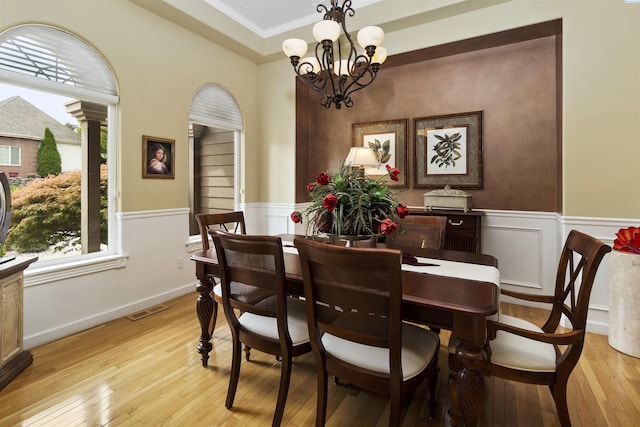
(517, 352)
(418, 347)
(268, 326)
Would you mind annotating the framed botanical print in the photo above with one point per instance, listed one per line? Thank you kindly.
(387, 139)
(448, 150)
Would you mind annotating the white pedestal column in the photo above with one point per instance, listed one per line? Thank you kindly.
(624, 302)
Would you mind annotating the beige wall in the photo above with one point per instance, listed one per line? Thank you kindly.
(601, 97)
(159, 67)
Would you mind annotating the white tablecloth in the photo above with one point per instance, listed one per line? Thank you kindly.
(462, 270)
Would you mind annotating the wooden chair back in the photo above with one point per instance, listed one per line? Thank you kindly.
(355, 294)
(252, 276)
(225, 221)
(419, 231)
(577, 268)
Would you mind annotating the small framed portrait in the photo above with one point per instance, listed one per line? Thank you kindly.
(158, 157)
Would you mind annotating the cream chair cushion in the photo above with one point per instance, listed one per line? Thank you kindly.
(268, 326)
(418, 347)
(217, 290)
(516, 352)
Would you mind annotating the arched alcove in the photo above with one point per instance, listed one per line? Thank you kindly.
(215, 123)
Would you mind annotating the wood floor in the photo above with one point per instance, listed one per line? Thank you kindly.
(148, 373)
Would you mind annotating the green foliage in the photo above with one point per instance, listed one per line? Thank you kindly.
(103, 144)
(45, 213)
(347, 203)
(49, 161)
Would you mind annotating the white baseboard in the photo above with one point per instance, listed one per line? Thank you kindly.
(78, 325)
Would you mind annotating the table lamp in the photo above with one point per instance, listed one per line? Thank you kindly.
(359, 157)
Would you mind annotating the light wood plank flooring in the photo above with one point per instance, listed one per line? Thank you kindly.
(148, 373)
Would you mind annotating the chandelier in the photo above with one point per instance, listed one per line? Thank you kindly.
(330, 73)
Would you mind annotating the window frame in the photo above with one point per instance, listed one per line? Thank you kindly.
(11, 147)
(45, 271)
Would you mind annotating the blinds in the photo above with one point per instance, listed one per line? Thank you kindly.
(214, 106)
(56, 56)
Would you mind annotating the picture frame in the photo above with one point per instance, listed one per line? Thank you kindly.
(448, 151)
(153, 166)
(388, 141)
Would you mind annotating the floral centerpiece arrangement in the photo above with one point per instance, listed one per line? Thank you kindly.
(628, 240)
(346, 203)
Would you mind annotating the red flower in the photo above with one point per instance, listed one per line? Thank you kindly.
(628, 240)
(323, 178)
(402, 211)
(393, 173)
(387, 227)
(311, 186)
(330, 202)
(296, 217)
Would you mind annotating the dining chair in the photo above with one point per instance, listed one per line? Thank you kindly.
(419, 231)
(258, 311)
(523, 352)
(354, 298)
(226, 221)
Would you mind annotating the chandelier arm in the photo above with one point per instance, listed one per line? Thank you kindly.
(327, 68)
(329, 74)
(356, 85)
(364, 69)
(316, 81)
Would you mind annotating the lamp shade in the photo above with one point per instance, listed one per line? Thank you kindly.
(361, 156)
(380, 56)
(341, 68)
(309, 64)
(370, 36)
(326, 30)
(294, 47)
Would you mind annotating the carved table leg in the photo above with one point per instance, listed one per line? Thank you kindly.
(204, 309)
(466, 383)
(466, 380)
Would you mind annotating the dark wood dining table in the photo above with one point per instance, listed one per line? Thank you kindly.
(456, 304)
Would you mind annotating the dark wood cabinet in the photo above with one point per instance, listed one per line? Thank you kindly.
(464, 229)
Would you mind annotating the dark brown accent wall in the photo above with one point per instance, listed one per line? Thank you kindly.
(514, 77)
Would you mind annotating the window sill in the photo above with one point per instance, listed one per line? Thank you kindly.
(40, 275)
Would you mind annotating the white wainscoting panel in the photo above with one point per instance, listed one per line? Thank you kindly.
(269, 218)
(157, 269)
(525, 244)
(521, 262)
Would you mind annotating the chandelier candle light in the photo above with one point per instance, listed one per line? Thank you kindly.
(328, 72)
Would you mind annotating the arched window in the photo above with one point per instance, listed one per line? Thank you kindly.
(48, 59)
(215, 123)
